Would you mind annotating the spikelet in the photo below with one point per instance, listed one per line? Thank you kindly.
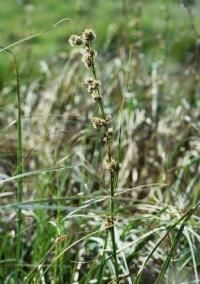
(112, 165)
(75, 40)
(98, 122)
(88, 57)
(88, 36)
(108, 135)
(92, 85)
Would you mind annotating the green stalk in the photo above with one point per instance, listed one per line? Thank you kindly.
(112, 229)
(19, 240)
(112, 184)
(101, 271)
(19, 194)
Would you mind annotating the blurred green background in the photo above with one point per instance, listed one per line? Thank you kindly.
(23, 18)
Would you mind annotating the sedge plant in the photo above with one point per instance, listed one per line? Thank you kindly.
(103, 121)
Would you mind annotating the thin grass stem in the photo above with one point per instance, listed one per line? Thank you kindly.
(20, 170)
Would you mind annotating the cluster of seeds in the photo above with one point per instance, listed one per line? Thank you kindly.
(109, 222)
(88, 57)
(85, 39)
(112, 165)
(93, 88)
(108, 135)
(98, 122)
(75, 40)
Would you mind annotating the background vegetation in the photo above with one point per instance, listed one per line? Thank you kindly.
(149, 55)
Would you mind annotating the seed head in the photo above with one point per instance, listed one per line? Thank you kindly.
(109, 222)
(112, 165)
(108, 118)
(88, 57)
(93, 88)
(89, 81)
(93, 85)
(88, 36)
(96, 96)
(75, 40)
(108, 135)
(98, 122)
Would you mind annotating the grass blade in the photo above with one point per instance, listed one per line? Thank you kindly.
(20, 169)
(184, 218)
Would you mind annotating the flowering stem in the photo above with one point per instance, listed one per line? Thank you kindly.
(88, 58)
(112, 179)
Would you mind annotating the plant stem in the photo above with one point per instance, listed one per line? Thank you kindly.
(20, 170)
(112, 182)
(19, 195)
(112, 229)
(100, 278)
(19, 240)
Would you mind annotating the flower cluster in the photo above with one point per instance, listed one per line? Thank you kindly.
(108, 135)
(112, 165)
(75, 40)
(93, 88)
(109, 222)
(84, 39)
(92, 84)
(98, 122)
(88, 57)
(88, 36)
